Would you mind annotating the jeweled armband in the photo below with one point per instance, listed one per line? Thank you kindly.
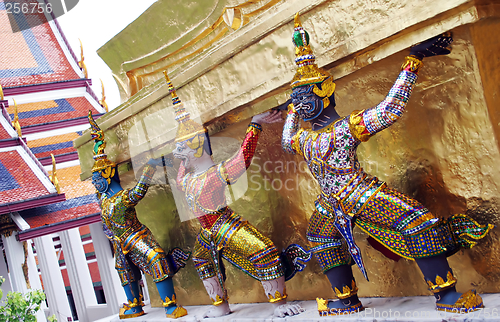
(412, 64)
(254, 127)
(296, 142)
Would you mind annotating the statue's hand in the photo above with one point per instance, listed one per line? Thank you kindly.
(155, 162)
(435, 46)
(284, 106)
(161, 161)
(268, 117)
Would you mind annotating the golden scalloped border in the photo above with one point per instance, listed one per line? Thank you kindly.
(135, 76)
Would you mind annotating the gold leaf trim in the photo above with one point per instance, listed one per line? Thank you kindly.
(347, 291)
(322, 304)
(178, 312)
(135, 76)
(356, 129)
(277, 296)
(413, 63)
(220, 300)
(169, 302)
(441, 284)
(468, 302)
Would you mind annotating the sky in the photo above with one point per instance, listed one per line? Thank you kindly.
(95, 22)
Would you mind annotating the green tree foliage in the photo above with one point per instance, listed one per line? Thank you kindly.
(19, 307)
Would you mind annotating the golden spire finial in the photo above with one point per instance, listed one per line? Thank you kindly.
(181, 115)
(308, 71)
(81, 63)
(15, 123)
(296, 21)
(188, 130)
(1, 93)
(102, 101)
(53, 177)
(102, 164)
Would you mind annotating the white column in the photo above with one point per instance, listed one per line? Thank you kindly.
(6, 286)
(52, 278)
(14, 252)
(34, 279)
(78, 272)
(113, 291)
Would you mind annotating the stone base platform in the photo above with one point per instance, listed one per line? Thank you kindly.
(419, 308)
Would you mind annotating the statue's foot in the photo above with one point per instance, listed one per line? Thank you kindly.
(455, 302)
(127, 312)
(287, 309)
(217, 311)
(339, 307)
(174, 312)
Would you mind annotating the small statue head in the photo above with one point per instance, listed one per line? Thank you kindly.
(312, 87)
(193, 148)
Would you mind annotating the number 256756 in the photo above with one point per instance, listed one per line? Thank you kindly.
(27, 8)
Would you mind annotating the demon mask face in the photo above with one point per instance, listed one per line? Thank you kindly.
(309, 101)
(99, 182)
(307, 104)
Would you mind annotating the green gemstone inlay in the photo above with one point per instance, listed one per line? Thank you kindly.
(297, 39)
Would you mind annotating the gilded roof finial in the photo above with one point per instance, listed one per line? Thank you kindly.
(1, 93)
(53, 177)
(15, 123)
(81, 63)
(102, 101)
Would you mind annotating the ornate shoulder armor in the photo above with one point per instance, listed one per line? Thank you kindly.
(357, 126)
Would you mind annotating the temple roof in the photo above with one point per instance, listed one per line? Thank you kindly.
(57, 145)
(41, 73)
(24, 183)
(81, 201)
(56, 113)
(35, 55)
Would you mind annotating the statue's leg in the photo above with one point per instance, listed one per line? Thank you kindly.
(281, 307)
(167, 294)
(344, 285)
(213, 282)
(134, 306)
(409, 229)
(251, 251)
(435, 266)
(150, 257)
(219, 298)
(331, 251)
(439, 275)
(129, 275)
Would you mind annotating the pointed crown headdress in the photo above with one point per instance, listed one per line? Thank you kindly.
(190, 131)
(308, 71)
(102, 164)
